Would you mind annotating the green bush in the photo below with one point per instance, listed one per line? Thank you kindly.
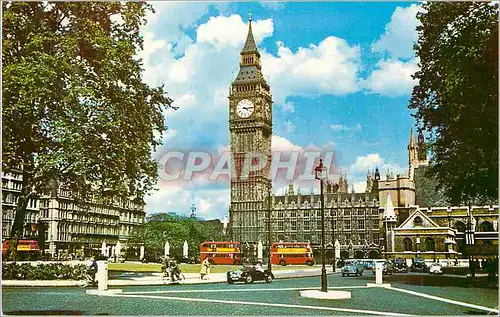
(52, 271)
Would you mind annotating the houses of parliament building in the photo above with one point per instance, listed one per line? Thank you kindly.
(383, 221)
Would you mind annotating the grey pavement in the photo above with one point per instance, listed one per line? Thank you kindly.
(157, 279)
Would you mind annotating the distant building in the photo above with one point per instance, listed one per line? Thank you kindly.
(68, 226)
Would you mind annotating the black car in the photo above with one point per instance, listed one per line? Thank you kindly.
(387, 268)
(400, 266)
(418, 265)
(249, 275)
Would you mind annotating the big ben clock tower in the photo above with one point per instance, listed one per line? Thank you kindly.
(250, 127)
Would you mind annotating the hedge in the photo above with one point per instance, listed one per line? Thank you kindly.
(52, 271)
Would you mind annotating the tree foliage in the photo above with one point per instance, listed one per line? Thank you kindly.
(456, 99)
(427, 191)
(162, 227)
(74, 106)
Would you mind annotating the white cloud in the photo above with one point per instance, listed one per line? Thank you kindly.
(290, 127)
(392, 77)
(223, 32)
(363, 163)
(400, 33)
(281, 144)
(360, 187)
(331, 67)
(288, 107)
(337, 127)
(273, 5)
(341, 127)
(173, 198)
(172, 18)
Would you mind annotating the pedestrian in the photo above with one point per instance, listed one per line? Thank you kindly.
(205, 268)
(92, 270)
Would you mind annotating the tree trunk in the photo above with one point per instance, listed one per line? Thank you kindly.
(18, 225)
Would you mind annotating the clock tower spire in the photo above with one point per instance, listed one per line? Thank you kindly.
(250, 127)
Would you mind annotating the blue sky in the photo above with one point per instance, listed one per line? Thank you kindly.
(340, 74)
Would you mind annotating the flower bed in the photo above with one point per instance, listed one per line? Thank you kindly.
(52, 271)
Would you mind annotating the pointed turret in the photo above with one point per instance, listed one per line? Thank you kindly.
(412, 148)
(250, 66)
(250, 46)
(422, 153)
(389, 214)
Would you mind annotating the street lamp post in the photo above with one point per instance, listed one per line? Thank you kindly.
(333, 241)
(320, 174)
(269, 266)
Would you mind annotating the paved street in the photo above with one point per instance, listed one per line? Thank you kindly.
(278, 298)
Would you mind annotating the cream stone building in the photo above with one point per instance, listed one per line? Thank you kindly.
(382, 222)
(65, 225)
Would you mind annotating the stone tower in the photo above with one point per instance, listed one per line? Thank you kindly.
(417, 154)
(389, 220)
(250, 127)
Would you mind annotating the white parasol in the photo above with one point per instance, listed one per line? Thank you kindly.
(337, 249)
(103, 248)
(118, 248)
(167, 249)
(259, 250)
(142, 252)
(185, 250)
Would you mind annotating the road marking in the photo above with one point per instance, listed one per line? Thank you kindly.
(357, 311)
(446, 300)
(243, 290)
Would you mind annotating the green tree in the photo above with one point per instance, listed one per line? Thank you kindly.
(74, 106)
(456, 99)
(162, 227)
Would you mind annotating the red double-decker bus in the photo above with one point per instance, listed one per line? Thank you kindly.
(220, 252)
(27, 249)
(284, 253)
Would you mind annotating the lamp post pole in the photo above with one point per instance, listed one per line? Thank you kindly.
(333, 241)
(321, 175)
(269, 266)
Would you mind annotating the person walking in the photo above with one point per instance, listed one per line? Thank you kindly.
(205, 269)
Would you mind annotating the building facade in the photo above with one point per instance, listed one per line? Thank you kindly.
(63, 225)
(382, 222)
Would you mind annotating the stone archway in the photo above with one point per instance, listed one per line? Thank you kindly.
(486, 226)
(373, 254)
(460, 226)
(344, 254)
(359, 254)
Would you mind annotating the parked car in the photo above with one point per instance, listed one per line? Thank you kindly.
(249, 274)
(400, 266)
(436, 268)
(418, 265)
(352, 267)
(387, 267)
(368, 264)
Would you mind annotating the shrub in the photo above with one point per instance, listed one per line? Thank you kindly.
(52, 271)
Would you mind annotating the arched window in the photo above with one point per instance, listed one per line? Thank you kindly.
(408, 244)
(430, 244)
(460, 226)
(417, 221)
(486, 226)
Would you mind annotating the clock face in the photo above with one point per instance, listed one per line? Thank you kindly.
(267, 110)
(245, 108)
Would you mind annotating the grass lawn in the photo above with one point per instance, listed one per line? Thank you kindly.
(188, 268)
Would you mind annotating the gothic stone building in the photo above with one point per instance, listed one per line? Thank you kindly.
(383, 221)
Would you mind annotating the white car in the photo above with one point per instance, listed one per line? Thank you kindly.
(436, 268)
